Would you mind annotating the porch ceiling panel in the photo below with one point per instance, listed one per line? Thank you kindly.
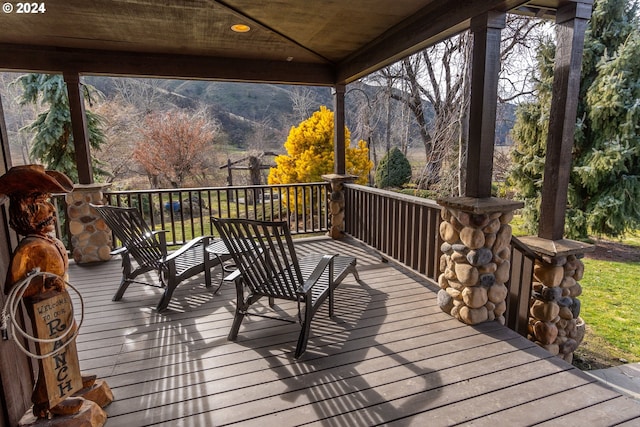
(334, 41)
(198, 27)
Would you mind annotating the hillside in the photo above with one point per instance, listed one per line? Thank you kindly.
(238, 107)
(250, 115)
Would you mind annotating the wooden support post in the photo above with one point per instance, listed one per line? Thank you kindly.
(16, 373)
(571, 24)
(79, 127)
(339, 150)
(486, 30)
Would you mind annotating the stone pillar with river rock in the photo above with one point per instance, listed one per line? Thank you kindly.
(90, 236)
(336, 203)
(475, 262)
(554, 313)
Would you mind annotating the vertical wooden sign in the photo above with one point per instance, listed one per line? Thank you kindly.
(52, 317)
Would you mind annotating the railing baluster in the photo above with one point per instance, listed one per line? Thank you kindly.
(228, 204)
(296, 209)
(219, 201)
(304, 208)
(161, 208)
(191, 221)
(181, 211)
(424, 235)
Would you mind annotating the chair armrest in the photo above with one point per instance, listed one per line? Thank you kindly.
(204, 240)
(118, 251)
(162, 240)
(233, 276)
(317, 273)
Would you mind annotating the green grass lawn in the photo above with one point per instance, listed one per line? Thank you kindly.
(610, 303)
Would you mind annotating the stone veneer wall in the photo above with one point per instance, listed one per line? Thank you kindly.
(90, 236)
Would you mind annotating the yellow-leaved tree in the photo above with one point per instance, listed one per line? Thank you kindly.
(310, 153)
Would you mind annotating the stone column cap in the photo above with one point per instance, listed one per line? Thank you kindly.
(554, 248)
(332, 177)
(480, 205)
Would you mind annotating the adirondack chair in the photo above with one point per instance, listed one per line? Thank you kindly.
(267, 266)
(149, 250)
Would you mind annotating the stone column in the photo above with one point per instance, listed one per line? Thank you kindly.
(336, 203)
(90, 236)
(554, 322)
(475, 264)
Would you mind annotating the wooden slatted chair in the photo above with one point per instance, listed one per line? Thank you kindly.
(149, 250)
(267, 266)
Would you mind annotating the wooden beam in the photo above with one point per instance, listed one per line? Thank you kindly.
(339, 164)
(79, 127)
(56, 60)
(571, 25)
(486, 30)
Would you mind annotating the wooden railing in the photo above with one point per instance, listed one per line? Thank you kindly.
(185, 213)
(405, 228)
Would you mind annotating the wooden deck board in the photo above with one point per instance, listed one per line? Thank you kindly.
(514, 393)
(389, 356)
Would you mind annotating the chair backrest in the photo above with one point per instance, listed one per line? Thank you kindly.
(131, 229)
(263, 251)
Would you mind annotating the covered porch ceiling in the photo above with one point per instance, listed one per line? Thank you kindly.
(317, 43)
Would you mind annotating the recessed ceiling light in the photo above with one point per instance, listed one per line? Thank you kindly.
(240, 28)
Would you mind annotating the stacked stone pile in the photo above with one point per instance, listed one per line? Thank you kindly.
(554, 323)
(475, 265)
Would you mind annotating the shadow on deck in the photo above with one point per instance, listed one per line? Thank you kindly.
(390, 356)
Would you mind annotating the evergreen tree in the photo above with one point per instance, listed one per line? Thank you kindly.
(530, 135)
(604, 191)
(394, 170)
(606, 173)
(52, 142)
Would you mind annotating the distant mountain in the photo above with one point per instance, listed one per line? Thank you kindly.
(238, 107)
(241, 107)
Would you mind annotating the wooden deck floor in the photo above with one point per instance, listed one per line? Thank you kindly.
(390, 356)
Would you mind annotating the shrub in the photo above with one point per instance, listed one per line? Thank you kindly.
(393, 170)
